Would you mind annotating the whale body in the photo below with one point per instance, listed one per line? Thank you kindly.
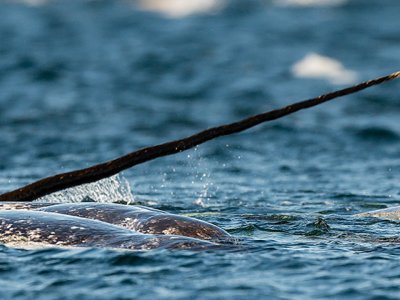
(142, 219)
(392, 213)
(104, 225)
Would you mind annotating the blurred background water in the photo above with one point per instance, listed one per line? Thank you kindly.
(82, 82)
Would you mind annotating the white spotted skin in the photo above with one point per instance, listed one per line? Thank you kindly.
(85, 225)
(392, 213)
(143, 219)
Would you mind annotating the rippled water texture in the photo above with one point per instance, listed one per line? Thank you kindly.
(82, 82)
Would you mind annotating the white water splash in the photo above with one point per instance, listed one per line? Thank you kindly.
(180, 8)
(317, 66)
(310, 2)
(203, 199)
(111, 189)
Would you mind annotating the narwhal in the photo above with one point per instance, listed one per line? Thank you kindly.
(104, 225)
(99, 225)
(391, 213)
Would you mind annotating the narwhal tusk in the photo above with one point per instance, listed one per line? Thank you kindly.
(62, 181)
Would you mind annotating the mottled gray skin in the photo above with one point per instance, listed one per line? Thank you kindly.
(22, 228)
(22, 205)
(104, 225)
(143, 219)
(392, 213)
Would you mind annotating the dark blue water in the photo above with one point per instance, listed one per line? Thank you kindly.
(83, 82)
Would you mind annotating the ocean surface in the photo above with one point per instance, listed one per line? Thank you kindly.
(82, 82)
